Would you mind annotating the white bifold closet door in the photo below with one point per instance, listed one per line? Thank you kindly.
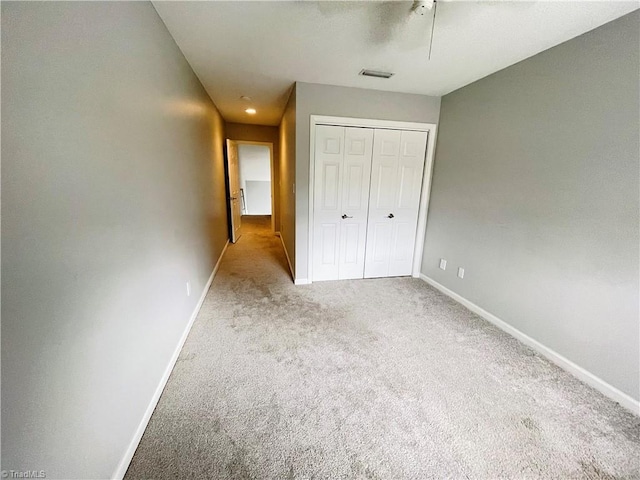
(396, 183)
(341, 196)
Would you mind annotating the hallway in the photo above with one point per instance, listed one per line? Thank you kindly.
(381, 379)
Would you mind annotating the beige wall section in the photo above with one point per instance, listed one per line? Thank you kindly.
(262, 133)
(288, 177)
(112, 199)
(535, 193)
(315, 99)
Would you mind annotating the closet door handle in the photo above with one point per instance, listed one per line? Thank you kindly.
(390, 215)
(346, 216)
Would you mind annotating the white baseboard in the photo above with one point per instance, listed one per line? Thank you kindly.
(587, 377)
(121, 470)
(286, 254)
(302, 281)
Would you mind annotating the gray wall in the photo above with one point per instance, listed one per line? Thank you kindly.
(262, 133)
(535, 192)
(112, 199)
(315, 99)
(288, 177)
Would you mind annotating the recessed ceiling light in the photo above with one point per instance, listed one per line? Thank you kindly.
(245, 98)
(251, 111)
(375, 73)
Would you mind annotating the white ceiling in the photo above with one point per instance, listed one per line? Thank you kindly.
(259, 49)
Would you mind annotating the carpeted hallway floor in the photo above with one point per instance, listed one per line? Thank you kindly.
(375, 379)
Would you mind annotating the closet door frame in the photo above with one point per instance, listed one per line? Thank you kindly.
(431, 128)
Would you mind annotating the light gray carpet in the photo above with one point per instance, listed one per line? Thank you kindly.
(376, 379)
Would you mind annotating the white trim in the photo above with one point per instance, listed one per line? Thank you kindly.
(576, 370)
(301, 281)
(312, 166)
(424, 201)
(122, 467)
(369, 123)
(431, 128)
(286, 254)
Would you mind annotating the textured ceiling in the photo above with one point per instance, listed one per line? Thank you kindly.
(259, 49)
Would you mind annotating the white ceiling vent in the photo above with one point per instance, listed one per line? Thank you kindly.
(375, 73)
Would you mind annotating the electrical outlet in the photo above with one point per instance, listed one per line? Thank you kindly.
(443, 264)
(188, 289)
(460, 272)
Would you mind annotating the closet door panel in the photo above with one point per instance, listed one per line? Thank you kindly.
(382, 199)
(330, 178)
(367, 186)
(327, 198)
(355, 200)
(384, 187)
(401, 249)
(396, 183)
(407, 202)
(352, 238)
(329, 235)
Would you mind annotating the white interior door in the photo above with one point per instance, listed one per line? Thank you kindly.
(384, 171)
(355, 201)
(327, 201)
(341, 195)
(396, 181)
(413, 147)
(234, 190)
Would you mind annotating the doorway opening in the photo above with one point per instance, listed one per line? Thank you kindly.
(250, 180)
